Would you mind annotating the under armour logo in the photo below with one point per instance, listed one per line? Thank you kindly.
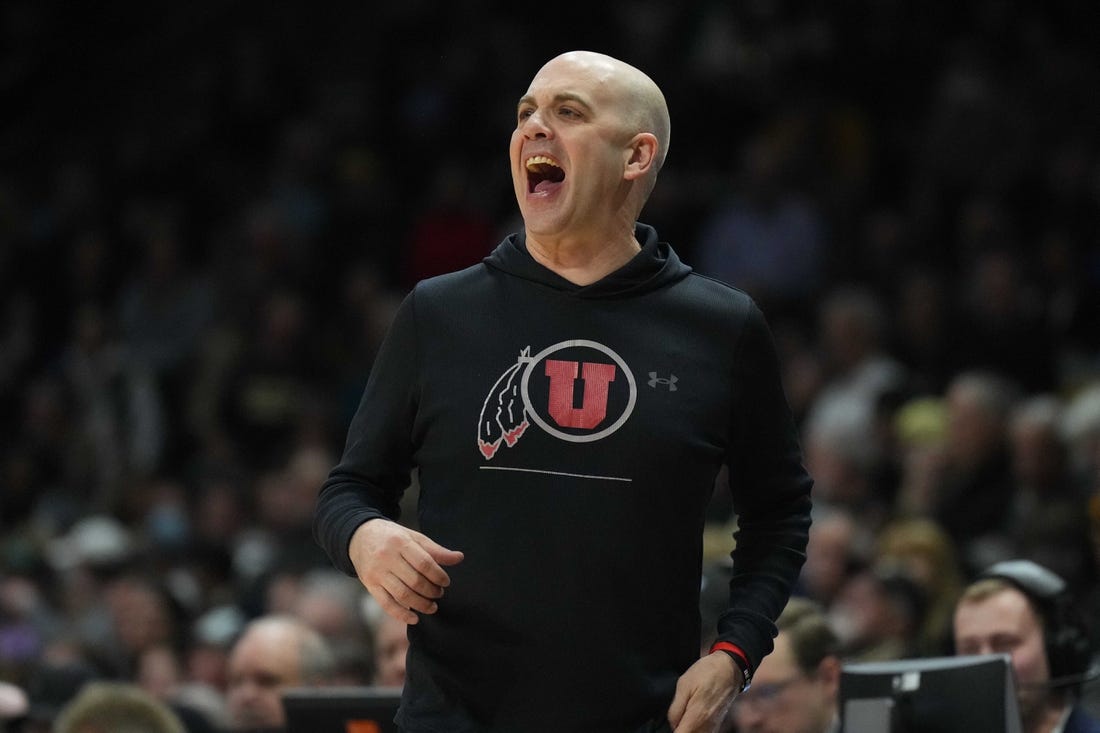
(670, 380)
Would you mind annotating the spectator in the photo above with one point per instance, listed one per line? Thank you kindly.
(273, 654)
(920, 429)
(143, 615)
(796, 688)
(161, 674)
(1022, 609)
(922, 551)
(1048, 521)
(271, 388)
(104, 707)
(858, 368)
(878, 615)
(118, 406)
(331, 603)
(1081, 428)
(844, 449)
(206, 661)
(837, 544)
(973, 495)
(842, 456)
(391, 643)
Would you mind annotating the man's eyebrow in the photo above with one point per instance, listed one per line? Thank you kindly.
(527, 99)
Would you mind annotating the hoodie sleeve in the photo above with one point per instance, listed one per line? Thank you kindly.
(374, 471)
(771, 493)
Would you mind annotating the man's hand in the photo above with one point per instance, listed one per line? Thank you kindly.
(401, 568)
(704, 694)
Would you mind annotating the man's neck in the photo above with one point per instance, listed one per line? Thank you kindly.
(583, 261)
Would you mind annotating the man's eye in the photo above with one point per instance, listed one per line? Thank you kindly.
(569, 112)
(525, 113)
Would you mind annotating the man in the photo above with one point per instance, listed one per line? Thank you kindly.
(795, 690)
(273, 654)
(1022, 609)
(391, 646)
(115, 707)
(972, 496)
(568, 403)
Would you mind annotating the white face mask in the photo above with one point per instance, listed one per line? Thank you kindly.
(843, 624)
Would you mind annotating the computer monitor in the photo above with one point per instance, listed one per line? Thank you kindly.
(341, 709)
(933, 695)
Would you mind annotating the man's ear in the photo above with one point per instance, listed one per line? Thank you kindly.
(828, 670)
(641, 155)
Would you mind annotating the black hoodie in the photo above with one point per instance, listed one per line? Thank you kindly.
(567, 440)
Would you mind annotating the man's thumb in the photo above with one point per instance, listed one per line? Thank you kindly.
(441, 554)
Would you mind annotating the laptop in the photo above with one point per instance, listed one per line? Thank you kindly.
(341, 709)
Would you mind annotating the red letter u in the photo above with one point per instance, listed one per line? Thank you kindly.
(593, 409)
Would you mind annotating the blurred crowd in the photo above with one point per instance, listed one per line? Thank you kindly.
(209, 212)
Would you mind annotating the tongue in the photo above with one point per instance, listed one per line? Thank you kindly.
(546, 185)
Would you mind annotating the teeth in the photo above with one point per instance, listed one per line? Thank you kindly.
(536, 160)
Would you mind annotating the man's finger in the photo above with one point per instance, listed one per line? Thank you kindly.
(409, 598)
(444, 556)
(416, 580)
(429, 562)
(392, 607)
(677, 708)
(690, 724)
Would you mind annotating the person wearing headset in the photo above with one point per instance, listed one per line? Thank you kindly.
(1022, 609)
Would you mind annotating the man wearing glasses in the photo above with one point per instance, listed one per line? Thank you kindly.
(795, 689)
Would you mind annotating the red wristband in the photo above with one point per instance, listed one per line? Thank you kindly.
(740, 658)
(725, 646)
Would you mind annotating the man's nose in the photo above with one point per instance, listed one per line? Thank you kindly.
(247, 691)
(535, 126)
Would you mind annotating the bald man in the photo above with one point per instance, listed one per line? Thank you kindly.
(273, 654)
(568, 403)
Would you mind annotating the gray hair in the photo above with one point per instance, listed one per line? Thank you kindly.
(111, 707)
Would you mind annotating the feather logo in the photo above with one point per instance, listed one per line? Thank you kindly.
(542, 391)
(503, 415)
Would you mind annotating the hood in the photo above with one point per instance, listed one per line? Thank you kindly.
(654, 267)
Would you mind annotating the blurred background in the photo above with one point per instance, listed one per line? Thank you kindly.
(209, 211)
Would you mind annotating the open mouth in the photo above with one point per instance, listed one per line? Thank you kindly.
(543, 173)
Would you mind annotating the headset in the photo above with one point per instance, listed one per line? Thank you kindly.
(1067, 644)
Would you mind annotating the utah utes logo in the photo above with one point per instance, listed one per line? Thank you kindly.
(584, 393)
